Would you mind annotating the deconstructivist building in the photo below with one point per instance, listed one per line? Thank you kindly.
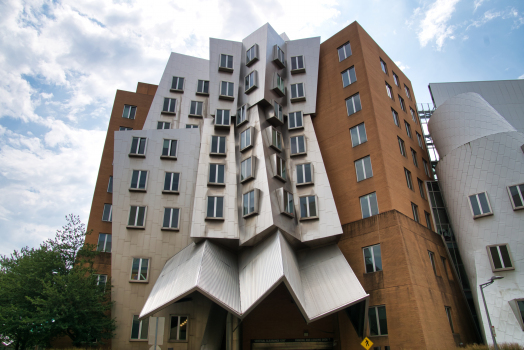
(273, 196)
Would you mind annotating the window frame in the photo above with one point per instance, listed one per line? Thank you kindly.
(380, 333)
(196, 104)
(279, 57)
(110, 218)
(178, 340)
(161, 125)
(312, 174)
(361, 162)
(217, 166)
(426, 167)
(409, 179)
(105, 242)
(352, 99)
(99, 277)
(421, 188)
(308, 208)
(191, 126)
(141, 259)
(298, 97)
(249, 134)
(389, 91)
(251, 168)
(414, 209)
(275, 135)
(384, 66)
(202, 92)
(448, 314)
(280, 164)
(347, 44)
(218, 153)
(357, 135)
(348, 71)
(279, 86)
(171, 214)
(169, 149)
(110, 184)
(298, 69)
(368, 202)
(171, 106)
(285, 204)
(402, 103)
(226, 68)
(407, 91)
(250, 81)
(177, 84)
(413, 115)
(255, 194)
(250, 59)
(428, 220)
(276, 116)
(419, 139)
(215, 207)
(130, 115)
(402, 146)
(140, 174)
(222, 118)
(293, 116)
(408, 129)
(298, 153)
(124, 128)
(396, 119)
(482, 214)
(139, 142)
(492, 263)
(520, 193)
(228, 86)
(375, 268)
(414, 156)
(171, 182)
(242, 111)
(395, 79)
(141, 325)
(135, 226)
(433, 262)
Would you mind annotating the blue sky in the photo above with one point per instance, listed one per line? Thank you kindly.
(62, 61)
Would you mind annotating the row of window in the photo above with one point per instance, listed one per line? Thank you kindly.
(480, 205)
(178, 328)
(402, 147)
(395, 78)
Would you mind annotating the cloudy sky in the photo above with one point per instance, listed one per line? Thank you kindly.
(62, 61)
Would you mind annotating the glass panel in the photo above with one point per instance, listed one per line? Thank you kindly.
(294, 90)
(199, 108)
(312, 206)
(222, 148)
(212, 173)
(141, 214)
(172, 105)
(349, 105)
(167, 215)
(520, 303)
(373, 203)
(378, 258)
(289, 204)
(109, 240)
(183, 328)
(367, 166)
(135, 328)
(220, 207)
(245, 204)
(134, 179)
(134, 145)
(174, 83)
(211, 207)
(176, 177)
(373, 324)
(345, 78)
(143, 180)
(174, 219)
(358, 106)
(495, 257)
(294, 145)
(365, 207)
(101, 242)
(368, 260)
(145, 328)
(180, 83)
(165, 148)
(341, 54)
(352, 76)
(226, 117)
(126, 111)
(230, 62)
(301, 144)
(382, 320)
(292, 120)
(223, 61)
(231, 87)
(362, 133)
(300, 61)
(251, 201)
(299, 119)
(174, 328)
(223, 89)
(505, 256)
(214, 144)
(167, 182)
(132, 216)
(220, 179)
(354, 137)
(475, 205)
(134, 270)
(360, 170)
(303, 207)
(307, 171)
(515, 196)
(142, 146)
(143, 272)
(300, 90)
(300, 174)
(218, 119)
(172, 152)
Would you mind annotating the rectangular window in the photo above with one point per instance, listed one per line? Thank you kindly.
(203, 87)
(278, 86)
(419, 139)
(295, 120)
(297, 64)
(196, 108)
(140, 271)
(129, 112)
(247, 169)
(101, 280)
(308, 207)
(383, 66)
(104, 243)
(409, 181)
(298, 145)
(226, 63)
(252, 55)
(348, 77)
(344, 51)
(353, 104)
(413, 115)
(448, 314)
(249, 203)
(369, 205)
(110, 185)
(125, 128)
(138, 180)
(408, 129)
(179, 327)
(500, 257)
(215, 207)
(444, 266)
(304, 174)
(372, 258)
(217, 174)
(169, 149)
(177, 84)
(169, 106)
(432, 260)
(191, 126)
(107, 215)
(402, 147)
(297, 92)
(414, 156)
(426, 168)
(389, 91)
(227, 90)
(289, 206)
(218, 145)
(421, 188)
(222, 117)
(395, 79)
(363, 168)
(245, 139)
(281, 168)
(378, 324)
(278, 112)
(428, 219)
(358, 135)
(171, 219)
(414, 209)
(138, 146)
(250, 82)
(140, 328)
(171, 182)
(408, 93)
(137, 217)
(480, 205)
(163, 125)
(279, 58)
(242, 115)
(276, 139)
(516, 195)
(395, 117)
(402, 104)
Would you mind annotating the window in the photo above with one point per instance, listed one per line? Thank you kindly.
(297, 64)
(216, 174)
(298, 145)
(138, 180)
(169, 149)
(413, 115)
(177, 84)
(169, 105)
(191, 126)
(196, 108)
(251, 82)
(110, 185)
(227, 90)
(242, 115)
(348, 77)
(163, 125)
(139, 271)
(304, 174)
(280, 168)
(107, 215)
(125, 128)
(278, 113)
(500, 257)
(358, 135)
(140, 328)
(428, 219)
(171, 182)
(250, 203)
(395, 79)
(101, 280)
(297, 92)
(432, 260)
(308, 207)
(389, 91)
(252, 55)
(378, 324)
(517, 306)
(226, 63)
(369, 205)
(104, 243)
(179, 327)
(218, 145)
(138, 146)
(383, 66)
(448, 314)
(408, 93)
(444, 266)
(247, 169)
(129, 112)
(222, 117)
(402, 104)
(295, 120)
(245, 139)
(279, 58)
(421, 188)
(353, 104)
(289, 207)
(401, 146)
(408, 178)
(426, 168)
(419, 139)
(202, 87)
(215, 207)
(414, 156)
(171, 219)
(408, 129)
(516, 194)
(137, 217)
(395, 117)
(414, 209)
(480, 205)
(372, 258)
(276, 139)
(363, 168)
(278, 85)
(344, 52)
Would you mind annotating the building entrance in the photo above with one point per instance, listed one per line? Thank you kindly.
(292, 344)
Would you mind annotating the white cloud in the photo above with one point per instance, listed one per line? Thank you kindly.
(401, 66)
(522, 76)
(434, 26)
(477, 4)
(488, 16)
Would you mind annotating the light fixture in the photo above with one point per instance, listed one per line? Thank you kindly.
(482, 286)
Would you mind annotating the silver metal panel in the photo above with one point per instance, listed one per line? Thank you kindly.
(291, 270)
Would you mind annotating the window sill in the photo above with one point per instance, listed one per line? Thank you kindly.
(481, 215)
(137, 190)
(217, 154)
(309, 218)
(170, 192)
(288, 214)
(297, 99)
(279, 63)
(220, 126)
(225, 69)
(168, 113)
(137, 155)
(250, 214)
(274, 120)
(202, 93)
(106, 221)
(297, 128)
(195, 116)
(517, 208)
(226, 97)
(169, 229)
(279, 92)
(246, 148)
(298, 154)
(247, 179)
(138, 340)
(176, 90)
(168, 157)
(208, 218)
(135, 281)
(501, 270)
(250, 89)
(280, 178)
(381, 335)
(215, 184)
(305, 184)
(297, 71)
(242, 122)
(135, 227)
(275, 148)
(253, 60)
